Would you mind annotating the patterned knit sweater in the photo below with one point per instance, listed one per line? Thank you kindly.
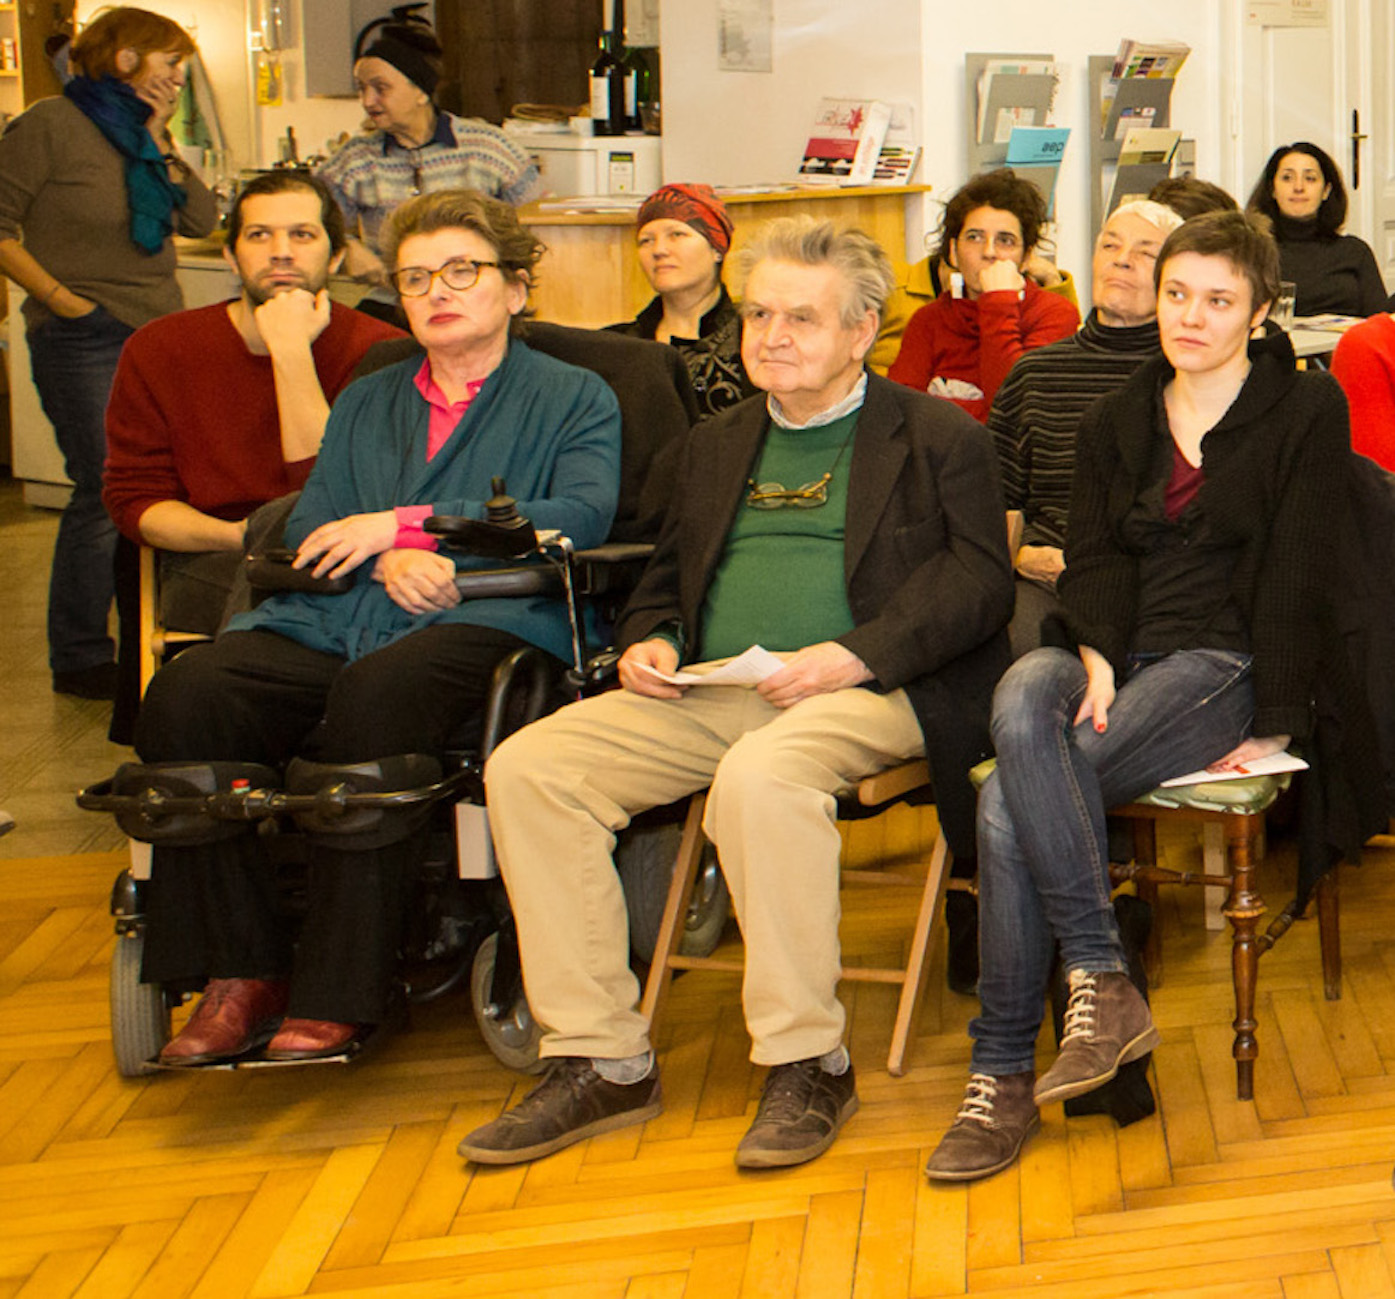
(370, 176)
(1037, 411)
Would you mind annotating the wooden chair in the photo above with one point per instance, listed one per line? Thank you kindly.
(155, 638)
(1236, 809)
(875, 791)
(1231, 814)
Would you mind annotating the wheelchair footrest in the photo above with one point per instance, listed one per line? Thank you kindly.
(368, 1038)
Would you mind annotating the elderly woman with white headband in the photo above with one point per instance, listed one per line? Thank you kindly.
(1038, 408)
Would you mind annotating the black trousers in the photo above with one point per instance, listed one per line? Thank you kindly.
(254, 696)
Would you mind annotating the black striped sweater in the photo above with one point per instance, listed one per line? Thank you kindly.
(1037, 412)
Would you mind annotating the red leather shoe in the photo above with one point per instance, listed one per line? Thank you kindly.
(309, 1039)
(232, 1017)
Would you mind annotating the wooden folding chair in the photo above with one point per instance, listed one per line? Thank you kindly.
(874, 791)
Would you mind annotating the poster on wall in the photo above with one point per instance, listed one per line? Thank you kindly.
(1286, 13)
(642, 22)
(745, 35)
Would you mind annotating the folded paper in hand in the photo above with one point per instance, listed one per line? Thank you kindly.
(746, 669)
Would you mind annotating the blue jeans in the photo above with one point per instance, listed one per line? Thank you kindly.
(74, 363)
(1042, 855)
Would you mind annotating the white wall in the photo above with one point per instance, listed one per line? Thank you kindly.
(749, 128)
(1199, 107)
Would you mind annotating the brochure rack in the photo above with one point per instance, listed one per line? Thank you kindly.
(1137, 101)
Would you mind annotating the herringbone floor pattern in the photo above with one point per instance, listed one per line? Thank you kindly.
(345, 1179)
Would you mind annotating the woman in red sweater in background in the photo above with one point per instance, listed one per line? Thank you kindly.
(962, 345)
(1364, 364)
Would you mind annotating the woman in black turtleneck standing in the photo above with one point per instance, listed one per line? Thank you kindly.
(1301, 192)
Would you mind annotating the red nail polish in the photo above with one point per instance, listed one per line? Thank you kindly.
(1099, 726)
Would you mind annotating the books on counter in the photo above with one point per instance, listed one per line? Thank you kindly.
(844, 141)
(900, 154)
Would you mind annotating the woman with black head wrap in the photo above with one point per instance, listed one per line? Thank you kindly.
(413, 148)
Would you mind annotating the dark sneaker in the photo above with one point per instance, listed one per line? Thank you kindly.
(801, 1109)
(1107, 1024)
(996, 1118)
(571, 1103)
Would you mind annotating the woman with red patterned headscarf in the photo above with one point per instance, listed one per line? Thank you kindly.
(684, 232)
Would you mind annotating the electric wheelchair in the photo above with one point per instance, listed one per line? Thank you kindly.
(460, 931)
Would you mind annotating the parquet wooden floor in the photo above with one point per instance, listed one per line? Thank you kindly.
(345, 1180)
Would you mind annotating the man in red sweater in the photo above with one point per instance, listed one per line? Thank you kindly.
(962, 345)
(219, 410)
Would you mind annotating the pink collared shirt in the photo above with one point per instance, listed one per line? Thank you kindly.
(445, 418)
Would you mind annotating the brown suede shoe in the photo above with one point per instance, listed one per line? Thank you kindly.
(1107, 1023)
(802, 1107)
(232, 1017)
(993, 1123)
(309, 1039)
(571, 1103)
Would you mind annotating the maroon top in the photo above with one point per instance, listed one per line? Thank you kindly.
(193, 415)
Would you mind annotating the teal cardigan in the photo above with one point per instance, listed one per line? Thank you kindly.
(550, 430)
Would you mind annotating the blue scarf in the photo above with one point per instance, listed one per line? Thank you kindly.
(120, 115)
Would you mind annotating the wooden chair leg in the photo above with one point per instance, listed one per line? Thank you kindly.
(685, 871)
(1145, 850)
(908, 1007)
(151, 646)
(1243, 909)
(1330, 934)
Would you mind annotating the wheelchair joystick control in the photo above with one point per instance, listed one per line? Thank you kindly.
(501, 509)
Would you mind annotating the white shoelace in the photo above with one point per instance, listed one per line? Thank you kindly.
(978, 1098)
(1080, 1009)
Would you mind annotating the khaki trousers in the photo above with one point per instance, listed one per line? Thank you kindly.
(561, 788)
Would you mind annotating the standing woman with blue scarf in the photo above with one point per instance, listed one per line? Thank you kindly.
(91, 189)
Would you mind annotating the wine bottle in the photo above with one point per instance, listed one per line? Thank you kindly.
(608, 79)
(638, 91)
(628, 69)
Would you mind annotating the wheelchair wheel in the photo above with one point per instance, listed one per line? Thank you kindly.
(511, 1033)
(140, 1016)
(644, 857)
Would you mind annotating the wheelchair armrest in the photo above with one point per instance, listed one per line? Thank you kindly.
(612, 567)
(532, 579)
(616, 552)
(478, 537)
(272, 571)
(599, 672)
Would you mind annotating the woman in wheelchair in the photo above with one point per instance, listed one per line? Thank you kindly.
(1200, 551)
(388, 668)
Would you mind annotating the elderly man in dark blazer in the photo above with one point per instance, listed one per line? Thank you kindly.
(853, 527)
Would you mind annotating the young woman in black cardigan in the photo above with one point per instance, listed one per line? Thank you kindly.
(1198, 557)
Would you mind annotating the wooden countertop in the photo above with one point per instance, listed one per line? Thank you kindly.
(535, 214)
